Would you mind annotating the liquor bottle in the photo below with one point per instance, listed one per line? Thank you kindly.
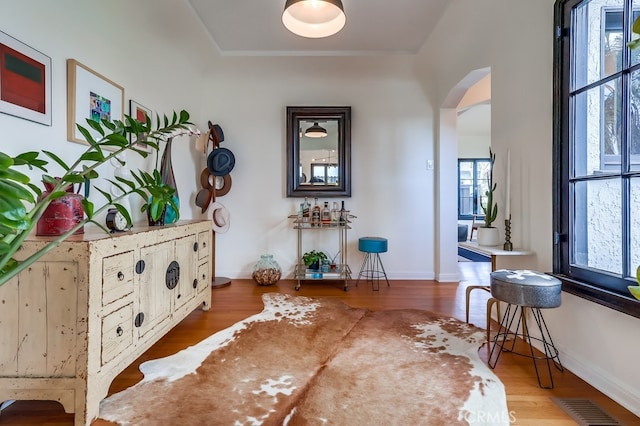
(343, 215)
(306, 210)
(315, 214)
(335, 213)
(326, 214)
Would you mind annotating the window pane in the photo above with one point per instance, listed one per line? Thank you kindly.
(597, 225)
(613, 41)
(635, 54)
(596, 130)
(332, 173)
(483, 168)
(634, 121)
(634, 202)
(598, 41)
(465, 179)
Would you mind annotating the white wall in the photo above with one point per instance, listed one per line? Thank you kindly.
(474, 140)
(594, 341)
(150, 47)
(392, 192)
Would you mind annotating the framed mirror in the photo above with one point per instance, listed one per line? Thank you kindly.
(318, 151)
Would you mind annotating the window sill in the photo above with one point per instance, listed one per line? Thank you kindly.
(626, 305)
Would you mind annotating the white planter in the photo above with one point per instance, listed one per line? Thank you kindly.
(488, 236)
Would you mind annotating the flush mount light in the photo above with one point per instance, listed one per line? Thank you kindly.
(316, 131)
(314, 18)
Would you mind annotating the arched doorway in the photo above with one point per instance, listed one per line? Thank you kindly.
(446, 253)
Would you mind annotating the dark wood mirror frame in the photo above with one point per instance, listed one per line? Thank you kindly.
(339, 119)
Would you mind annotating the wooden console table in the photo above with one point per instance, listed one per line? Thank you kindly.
(493, 251)
(81, 314)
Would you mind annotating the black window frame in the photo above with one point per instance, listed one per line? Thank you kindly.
(600, 287)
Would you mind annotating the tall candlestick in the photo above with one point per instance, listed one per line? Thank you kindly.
(507, 210)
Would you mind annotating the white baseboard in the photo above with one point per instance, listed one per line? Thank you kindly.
(595, 376)
(601, 380)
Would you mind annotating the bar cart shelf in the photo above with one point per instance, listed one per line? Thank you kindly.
(342, 271)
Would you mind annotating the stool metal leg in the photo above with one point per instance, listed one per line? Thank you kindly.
(378, 267)
(490, 302)
(372, 270)
(503, 331)
(550, 351)
(364, 263)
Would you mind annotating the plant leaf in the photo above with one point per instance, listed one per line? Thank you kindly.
(96, 126)
(5, 161)
(57, 159)
(87, 206)
(106, 194)
(96, 156)
(87, 135)
(124, 213)
(73, 178)
(11, 190)
(14, 175)
(127, 182)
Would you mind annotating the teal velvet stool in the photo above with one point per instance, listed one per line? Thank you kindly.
(372, 269)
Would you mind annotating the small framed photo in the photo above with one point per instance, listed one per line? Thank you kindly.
(138, 112)
(25, 81)
(90, 96)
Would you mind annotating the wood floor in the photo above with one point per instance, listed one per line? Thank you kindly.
(528, 404)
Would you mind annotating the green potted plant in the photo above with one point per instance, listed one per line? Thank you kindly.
(157, 198)
(487, 234)
(313, 258)
(22, 203)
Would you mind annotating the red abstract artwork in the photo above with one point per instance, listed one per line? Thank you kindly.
(23, 80)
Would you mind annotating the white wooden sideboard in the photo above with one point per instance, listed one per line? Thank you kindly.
(80, 315)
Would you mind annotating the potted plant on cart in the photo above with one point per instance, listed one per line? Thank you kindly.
(487, 234)
(313, 258)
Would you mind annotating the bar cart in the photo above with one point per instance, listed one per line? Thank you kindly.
(341, 271)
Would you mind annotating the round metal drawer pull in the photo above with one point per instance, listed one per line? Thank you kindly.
(172, 276)
(119, 331)
(120, 275)
(139, 319)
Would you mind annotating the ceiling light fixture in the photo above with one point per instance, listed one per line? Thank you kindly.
(316, 131)
(314, 18)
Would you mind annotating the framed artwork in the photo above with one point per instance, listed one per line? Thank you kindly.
(25, 81)
(138, 112)
(90, 96)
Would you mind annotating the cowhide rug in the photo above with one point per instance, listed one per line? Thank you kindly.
(315, 361)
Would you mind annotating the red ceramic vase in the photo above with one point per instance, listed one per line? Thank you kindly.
(62, 214)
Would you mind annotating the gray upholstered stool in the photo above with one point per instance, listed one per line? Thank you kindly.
(372, 269)
(520, 290)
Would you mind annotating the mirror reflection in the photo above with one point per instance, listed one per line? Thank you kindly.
(318, 151)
